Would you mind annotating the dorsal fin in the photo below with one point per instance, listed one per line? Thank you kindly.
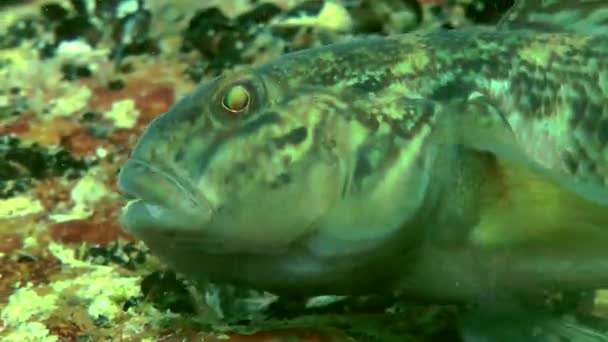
(575, 16)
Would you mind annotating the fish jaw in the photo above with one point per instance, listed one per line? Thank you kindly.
(183, 231)
(161, 202)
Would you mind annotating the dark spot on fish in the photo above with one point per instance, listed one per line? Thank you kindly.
(450, 90)
(594, 109)
(362, 168)
(179, 156)
(238, 170)
(580, 106)
(578, 111)
(281, 179)
(368, 121)
(398, 128)
(534, 103)
(240, 167)
(227, 180)
(294, 137)
(371, 84)
(581, 154)
(602, 132)
(570, 163)
(208, 154)
(593, 168)
(329, 77)
(589, 124)
(548, 105)
(344, 191)
(248, 128)
(528, 89)
(257, 123)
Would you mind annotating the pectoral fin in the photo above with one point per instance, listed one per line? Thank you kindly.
(521, 202)
(575, 16)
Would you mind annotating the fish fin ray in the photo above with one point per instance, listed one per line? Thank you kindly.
(547, 206)
(574, 16)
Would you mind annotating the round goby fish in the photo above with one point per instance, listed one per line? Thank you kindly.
(453, 166)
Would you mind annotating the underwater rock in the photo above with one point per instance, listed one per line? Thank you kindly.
(386, 16)
(130, 34)
(167, 292)
(127, 255)
(326, 16)
(219, 40)
(12, 102)
(54, 12)
(486, 12)
(73, 72)
(116, 84)
(19, 165)
(260, 14)
(77, 27)
(24, 29)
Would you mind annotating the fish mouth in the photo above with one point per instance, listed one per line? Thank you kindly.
(159, 201)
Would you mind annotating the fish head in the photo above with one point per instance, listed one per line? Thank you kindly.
(242, 161)
(266, 160)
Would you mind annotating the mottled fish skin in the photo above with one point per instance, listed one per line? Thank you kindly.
(367, 105)
(585, 17)
(552, 87)
(341, 166)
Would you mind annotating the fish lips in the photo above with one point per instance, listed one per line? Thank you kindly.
(159, 203)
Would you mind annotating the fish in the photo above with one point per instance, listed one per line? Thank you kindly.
(465, 166)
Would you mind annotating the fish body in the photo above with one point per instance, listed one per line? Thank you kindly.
(453, 166)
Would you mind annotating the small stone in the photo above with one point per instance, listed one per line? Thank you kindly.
(116, 84)
(73, 72)
(53, 12)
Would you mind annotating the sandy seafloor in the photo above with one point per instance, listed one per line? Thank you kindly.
(79, 80)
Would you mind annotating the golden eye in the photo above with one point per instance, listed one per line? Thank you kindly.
(236, 99)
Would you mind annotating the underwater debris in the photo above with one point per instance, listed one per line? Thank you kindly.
(25, 304)
(20, 165)
(116, 84)
(323, 15)
(259, 15)
(123, 114)
(130, 33)
(219, 40)
(166, 291)
(19, 206)
(31, 331)
(128, 255)
(77, 28)
(386, 16)
(19, 31)
(54, 12)
(12, 103)
(73, 72)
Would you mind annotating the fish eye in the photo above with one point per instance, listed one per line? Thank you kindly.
(236, 99)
